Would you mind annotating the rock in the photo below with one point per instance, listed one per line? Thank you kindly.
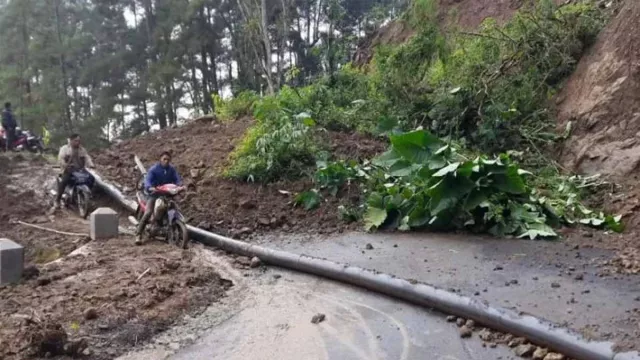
(579, 277)
(195, 173)
(90, 314)
(255, 262)
(277, 276)
(493, 345)
(525, 350)
(470, 324)
(318, 318)
(465, 332)
(516, 342)
(264, 222)
(30, 272)
(555, 285)
(43, 281)
(460, 321)
(174, 346)
(540, 353)
(554, 356)
(247, 204)
(369, 247)
(451, 318)
(87, 352)
(498, 267)
(485, 335)
(205, 225)
(514, 282)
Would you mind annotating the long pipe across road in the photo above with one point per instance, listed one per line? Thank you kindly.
(538, 331)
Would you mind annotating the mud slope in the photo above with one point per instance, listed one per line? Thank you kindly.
(602, 99)
(232, 207)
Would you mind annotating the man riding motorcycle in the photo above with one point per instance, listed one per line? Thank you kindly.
(72, 157)
(161, 173)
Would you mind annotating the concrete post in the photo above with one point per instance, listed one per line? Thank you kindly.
(11, 262)
(104, 224)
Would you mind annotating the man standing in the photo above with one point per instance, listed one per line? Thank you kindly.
(9, 125)
(72, 157)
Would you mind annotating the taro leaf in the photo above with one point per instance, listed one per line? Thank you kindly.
(419, 217)
(376, 200)
(437, 162)
(475, 198)
(416, 146)
(594, 221)
(538, 230)
(451, 168)
(309, 199)
(510, 182)
(402, 168)
(388, 159)
(467, 168)
(446, 194)
(374, 217)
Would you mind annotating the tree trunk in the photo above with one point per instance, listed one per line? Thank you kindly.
(63, 70)
(267, 46)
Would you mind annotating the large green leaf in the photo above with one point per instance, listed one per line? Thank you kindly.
(511, 182)
(416, 146)
(451, 168)
(374, 217)
(538, 230)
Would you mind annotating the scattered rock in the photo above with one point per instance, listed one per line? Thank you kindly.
(465, 332)
(43, 281)
(174, 346)
(264, 221)
(90, 314)
(516, 342)
(87, 352)
(470, 324)
(460, 321)
(485, 335)
(395, 245)
(205, 225)
(369, 247)
(514, 282)
(535, 278)
(554, 356)
(555, 285)
(524, 350)
(255, 262)
(277, 276)
(540, 353)
(579, 277)
(498, 267)
(30, 272)
(318, 318)
(451, 318)
(493, 345)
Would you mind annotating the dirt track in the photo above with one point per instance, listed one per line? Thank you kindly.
(101, 299)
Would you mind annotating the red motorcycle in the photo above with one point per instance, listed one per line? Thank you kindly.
(166, 220)
(24, 140)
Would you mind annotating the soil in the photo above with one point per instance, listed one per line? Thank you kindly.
(601, 102)
(95, 301)
(235, 208)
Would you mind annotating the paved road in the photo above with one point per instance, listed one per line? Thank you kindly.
(268, 316)
(537, 277)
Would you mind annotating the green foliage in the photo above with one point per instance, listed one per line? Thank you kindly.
(235, 107)
(280, 145)
(423, 182)
(309, 199)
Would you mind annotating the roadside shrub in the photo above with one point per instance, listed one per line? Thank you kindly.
(280, 145)
(235, 107)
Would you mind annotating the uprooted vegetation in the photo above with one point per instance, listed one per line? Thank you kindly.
(479, 101)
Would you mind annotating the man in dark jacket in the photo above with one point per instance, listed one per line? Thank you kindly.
(9, 125)
(160, 174)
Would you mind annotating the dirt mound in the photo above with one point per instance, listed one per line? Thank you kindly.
(232, 207)
(601, 100)
(108, 298)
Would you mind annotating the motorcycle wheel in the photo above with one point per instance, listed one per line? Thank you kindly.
(83, 200)
(178, 235)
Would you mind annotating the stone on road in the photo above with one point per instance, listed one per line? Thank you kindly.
(11, 262)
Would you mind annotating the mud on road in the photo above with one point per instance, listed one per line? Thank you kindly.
(102, 298)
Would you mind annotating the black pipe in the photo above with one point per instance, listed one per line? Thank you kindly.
(538, 331)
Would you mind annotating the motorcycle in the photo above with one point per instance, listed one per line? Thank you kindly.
(24, 140)
(167, 220)
(78, 192)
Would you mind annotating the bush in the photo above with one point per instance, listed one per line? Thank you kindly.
(280, 145)
(236, 107)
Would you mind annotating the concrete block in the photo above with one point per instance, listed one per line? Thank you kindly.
(11, 262)
(104, 224)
